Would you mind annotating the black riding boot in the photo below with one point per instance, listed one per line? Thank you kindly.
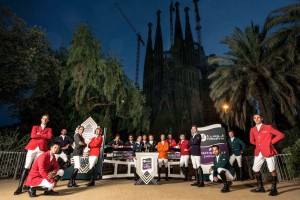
(225, 182)
(92, 180)
(166, 174)
(260, 186)
(241, 174)
(197, 178)
(32, 190)
(51, 192)
(72, 179)
(187, 173)
(159, 171)
(183, 170)
(274, 191)
(200, 174)
(136, 176)
(22, 180)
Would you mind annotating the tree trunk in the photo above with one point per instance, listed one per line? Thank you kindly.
(265, 109)
(77, 98)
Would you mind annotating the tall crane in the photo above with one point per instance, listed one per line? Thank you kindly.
(139, 42)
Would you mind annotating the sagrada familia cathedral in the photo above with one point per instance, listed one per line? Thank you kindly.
(175, 80)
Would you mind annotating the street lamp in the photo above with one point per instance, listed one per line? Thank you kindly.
(225, 108)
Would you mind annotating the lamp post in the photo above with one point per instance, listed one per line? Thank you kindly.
(225, 108)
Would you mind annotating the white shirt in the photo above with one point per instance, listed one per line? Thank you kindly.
(51, 156)
(151, 142)
(63, 137)
(258, 126)
(43, 126)
(218, 157)
(232, 139)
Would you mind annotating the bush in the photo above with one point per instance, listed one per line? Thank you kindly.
(291, 136)
(10, 140)
(293, 161)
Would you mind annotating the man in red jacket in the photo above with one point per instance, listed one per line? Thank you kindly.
(45, 172)
(94, 145)
(184, 156)
(37, 145)
(264, 137)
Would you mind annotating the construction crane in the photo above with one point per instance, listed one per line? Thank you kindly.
(139, 42)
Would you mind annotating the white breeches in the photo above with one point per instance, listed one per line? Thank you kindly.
(62, 155)
(229, 176)
(259, 161)
(233, 157)
(184, 161)
(162, 162)
(31, 156)
(76, 162)
(196, 161)
(47, 184)
(93, 161)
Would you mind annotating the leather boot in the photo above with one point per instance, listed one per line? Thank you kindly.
(159, 171)
(183, 170)
(273, 191)
(241, 174)
(32, 190)
(50, 192)
(188, 175)
(136, 176)
(260, 186)
(21, 182)
(197, 178)
(72, 179)
(166, 174)
(200, 174)
(92, 180)
(225, 188)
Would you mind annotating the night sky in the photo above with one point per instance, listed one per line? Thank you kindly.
(59, 19)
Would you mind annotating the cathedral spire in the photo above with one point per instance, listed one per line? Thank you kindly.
(158, 45)
(189, 42)
(148, 64)
(178, 38)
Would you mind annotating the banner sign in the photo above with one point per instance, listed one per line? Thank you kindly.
(212, 135)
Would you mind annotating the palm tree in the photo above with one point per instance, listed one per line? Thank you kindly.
(255, 75)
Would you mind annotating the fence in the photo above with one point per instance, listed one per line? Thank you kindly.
(12, 164)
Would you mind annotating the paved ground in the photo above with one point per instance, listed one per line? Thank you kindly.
(123, 189)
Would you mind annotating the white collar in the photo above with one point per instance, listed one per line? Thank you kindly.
(258, 126)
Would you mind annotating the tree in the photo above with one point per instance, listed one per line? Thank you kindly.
(29, 72)
(254, 76)
(97, 86)
(23, 52)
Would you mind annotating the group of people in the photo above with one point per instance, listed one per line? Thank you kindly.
(42, 171)
(45, 171)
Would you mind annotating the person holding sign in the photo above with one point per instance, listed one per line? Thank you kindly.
(184, 156)
(94, 145)
(137, 147)
(77, 153)
(221, 169)
(195, 153)
(162, 148)
(236, 148)
(264, 137)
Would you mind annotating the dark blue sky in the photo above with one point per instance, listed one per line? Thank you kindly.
(59, 19)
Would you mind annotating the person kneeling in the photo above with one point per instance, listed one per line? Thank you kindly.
(44, 173)
(221, 169)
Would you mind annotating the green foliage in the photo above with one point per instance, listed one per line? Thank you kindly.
(258, 71)
(293, 160)
(291, 136)
(10, 140)
(95, 85)
(23, 56)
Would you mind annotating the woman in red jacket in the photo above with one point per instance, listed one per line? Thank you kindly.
(94, 146)
(184, 156)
